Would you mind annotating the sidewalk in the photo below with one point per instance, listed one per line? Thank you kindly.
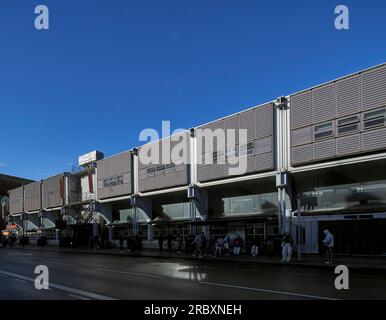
(357, 263)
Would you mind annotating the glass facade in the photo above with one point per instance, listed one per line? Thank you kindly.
(250, 204)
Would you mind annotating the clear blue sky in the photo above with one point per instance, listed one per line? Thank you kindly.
(108, 69)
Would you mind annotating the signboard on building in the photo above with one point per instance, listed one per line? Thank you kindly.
(90, 157)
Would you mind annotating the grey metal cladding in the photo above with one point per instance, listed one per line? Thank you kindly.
(16, 199)
(32, 196)
(348, 96)
(301, 110)
(248, 122)
(374, 140)
(233, 123)
(264, 162)
(302, 154)
(301, 136)
(111, 168)
(218, 171)
(204, 173)
(374, 88)
(323, 104)
(324, 149)
(264, 121)
(347, 145)
(263, 145)
(53, 192)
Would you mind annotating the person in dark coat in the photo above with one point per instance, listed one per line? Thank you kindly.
(161, 242)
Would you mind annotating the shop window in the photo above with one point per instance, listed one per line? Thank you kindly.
(374, 119)
(324, 130)
(348, 125)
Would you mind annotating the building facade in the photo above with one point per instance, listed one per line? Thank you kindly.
(313, 160)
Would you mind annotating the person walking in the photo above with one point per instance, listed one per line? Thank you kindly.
(286, 244)
(255, 246)
(121, 241)
(219, 245)
(329, 243)
(169, 240)
(238, 243)
(198, 245)
(161, 242)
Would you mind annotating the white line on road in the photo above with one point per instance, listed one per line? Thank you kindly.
(19, 280)
(60, 287)
(77, 297)
(267, 291)
(62, 264)
(130, 273)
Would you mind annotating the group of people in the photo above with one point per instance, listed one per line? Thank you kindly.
(133, 243)
(287, 243)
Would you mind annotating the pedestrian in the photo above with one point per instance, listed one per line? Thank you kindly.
(198, 245)
(129, 243)
(161, 242)
(219, 246)
(255, 246)
(179, 241)
(169, 240)
(212, 245)
(329, 243)
(286, 244)
(227, 241)
(238, 243)
(121, 241)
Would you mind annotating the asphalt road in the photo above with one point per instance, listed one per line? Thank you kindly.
(85, 276)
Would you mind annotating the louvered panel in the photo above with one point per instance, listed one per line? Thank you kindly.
(348, 96)
(264, 162)
(16, 199)
(374, 140)
(247, 121)
(32, 196)
(264, 121)
(323, 105)
(302, 154)
(301, 110)
(218, 171)
(324, 149)
(374, 88)
(263, 145)
(301, 136)
(204, 173)
(348, 145)
(232, 123)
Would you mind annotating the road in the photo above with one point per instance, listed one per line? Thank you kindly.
(85, 277)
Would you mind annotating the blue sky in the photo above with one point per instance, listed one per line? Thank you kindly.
(105, 70)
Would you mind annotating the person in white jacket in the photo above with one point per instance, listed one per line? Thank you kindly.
(329, 243)
(286, 244)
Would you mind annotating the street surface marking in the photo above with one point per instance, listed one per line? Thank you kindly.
(77, 297)
(61, 264)
(130, 273)
(267, 291)
(19, 280)
(60, 287)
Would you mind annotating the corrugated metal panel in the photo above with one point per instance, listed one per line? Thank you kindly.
(117, 170)
(374, 88)
(218, 171)
(264, 121)
(233, 123)
(301, 110)
(302, 154)
(264, 162)
(323, 105)
(32, 196)
(263, 145)
(301, 136)
(52, 192)
(348, 96)
(348, 145)
(247, 121)
(204, 173)
(324, 149)
(16, 199)
(374, 140)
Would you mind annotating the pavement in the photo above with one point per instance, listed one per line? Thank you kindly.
(74, 276)
(376, 264)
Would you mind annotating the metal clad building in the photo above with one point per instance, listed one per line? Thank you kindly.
(53, 191)
(259, 146)
(339, 119)
(16, 200)
(115, 176)
(32, 194)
